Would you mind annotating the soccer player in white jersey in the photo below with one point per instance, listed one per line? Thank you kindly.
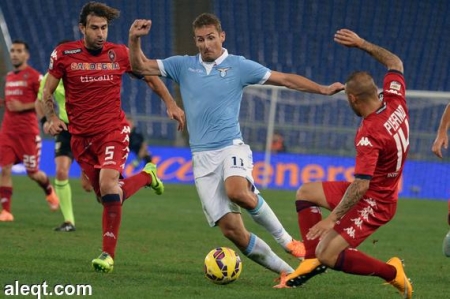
(212, 84)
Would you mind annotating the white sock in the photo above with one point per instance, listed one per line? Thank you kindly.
(259, 252)
(264, 216)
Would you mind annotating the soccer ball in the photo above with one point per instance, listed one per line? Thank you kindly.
(222, 265)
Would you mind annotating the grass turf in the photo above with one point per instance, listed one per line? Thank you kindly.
(164, 239)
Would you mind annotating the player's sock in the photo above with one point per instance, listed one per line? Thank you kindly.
(112, 215)
(46, 186)
(147, 158)
(353, 261)
(264, 216)
(5, 198)
(64, 192)
(308, 215)
(259, 252)
(133, 183)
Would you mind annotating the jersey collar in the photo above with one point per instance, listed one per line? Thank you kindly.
(218, 61)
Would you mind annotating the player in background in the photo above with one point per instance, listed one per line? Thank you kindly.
(440, 142)
(19, 133)
(138, 145)
(211, 85)
(359, 208)
(63, 154)
(91, 70)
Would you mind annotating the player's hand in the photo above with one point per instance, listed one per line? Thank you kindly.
(14, 105)
(440, 142)
(348, 38)
(46, 127)
(85, 183)
(333, 88)
(320, 229)
(56, 125)
(140, 28)
(175, 112)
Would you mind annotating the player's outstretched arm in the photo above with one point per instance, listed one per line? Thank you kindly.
(173, 111)
(300, 83)
(441, 140)
(349, 38)
(140, 64)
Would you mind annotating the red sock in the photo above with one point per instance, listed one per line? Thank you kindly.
(308, 215)
(132, 184)
(355, 262)
(5, 198)
(112, 215)
(46, 186)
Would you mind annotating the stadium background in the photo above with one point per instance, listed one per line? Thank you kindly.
(290, 36)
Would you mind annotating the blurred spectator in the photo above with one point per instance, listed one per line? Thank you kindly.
(278, 145)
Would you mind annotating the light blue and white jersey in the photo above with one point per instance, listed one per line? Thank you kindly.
(212, 95)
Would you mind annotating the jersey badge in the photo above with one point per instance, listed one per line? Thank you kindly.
(223, 71)
(395, 85)
(112, 55)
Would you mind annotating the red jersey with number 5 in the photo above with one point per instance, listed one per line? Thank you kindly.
(92, 82)
(382, 141)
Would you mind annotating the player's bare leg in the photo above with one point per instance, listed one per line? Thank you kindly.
(43, 181)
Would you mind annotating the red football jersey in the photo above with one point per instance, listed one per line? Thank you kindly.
(21, 86)
(92, 83)
(382, 141)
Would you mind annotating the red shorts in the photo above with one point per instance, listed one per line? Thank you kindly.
(363, 219)
(25, 148)
(109, 151)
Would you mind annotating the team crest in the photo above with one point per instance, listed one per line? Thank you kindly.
(112, 55)
(223, 71)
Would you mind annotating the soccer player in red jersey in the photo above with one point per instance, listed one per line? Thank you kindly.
(359, 208)
(19, 133)
(92, 70)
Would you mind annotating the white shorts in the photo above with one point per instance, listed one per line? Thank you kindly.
(212, 168)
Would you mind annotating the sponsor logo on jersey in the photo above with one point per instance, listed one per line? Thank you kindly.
(100, 66)
(364, 142)
(195, 70)
(109, 234)
(19, 83)
(72, 51)
(223, 71)
(87, 79)
(395, 85)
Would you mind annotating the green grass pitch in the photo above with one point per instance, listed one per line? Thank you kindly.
(164, 239)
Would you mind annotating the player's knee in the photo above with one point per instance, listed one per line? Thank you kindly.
(302, 192)
(242, 198)
(62, 174)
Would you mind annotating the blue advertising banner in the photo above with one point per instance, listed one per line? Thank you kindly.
(286, 171)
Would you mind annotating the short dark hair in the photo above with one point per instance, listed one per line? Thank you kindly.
(206, 19)
(21, 42)
(98, 9)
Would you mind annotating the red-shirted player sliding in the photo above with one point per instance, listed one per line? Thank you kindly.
(92, 70)
(19, 133)
(359, 208)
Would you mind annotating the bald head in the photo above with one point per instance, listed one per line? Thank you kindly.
(361, 85)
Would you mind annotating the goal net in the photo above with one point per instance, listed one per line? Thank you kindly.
(317, 127)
